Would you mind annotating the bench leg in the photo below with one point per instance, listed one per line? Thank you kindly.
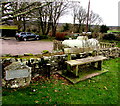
(99, 65)
(93, 64)
(76, 73)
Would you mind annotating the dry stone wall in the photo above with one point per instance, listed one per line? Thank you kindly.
(22, 70)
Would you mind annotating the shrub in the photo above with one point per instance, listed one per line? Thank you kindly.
(109, 37)
(67, 37)
(117, 37)
(61, 35)
(66, 27)
(43, 37)
(28, 30)
(104, 29)
(34, 30)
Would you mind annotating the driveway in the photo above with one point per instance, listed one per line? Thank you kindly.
(11, 46)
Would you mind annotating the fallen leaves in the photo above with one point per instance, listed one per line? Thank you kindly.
(55, 90)
(36, 101)
(105, 88)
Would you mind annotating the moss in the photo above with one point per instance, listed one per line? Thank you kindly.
(45, 52)
(7, 55)
(8, 27)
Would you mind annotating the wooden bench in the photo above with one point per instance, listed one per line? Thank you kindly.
(83, 61)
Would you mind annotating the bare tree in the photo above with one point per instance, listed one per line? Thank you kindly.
(94, 19)
(81, 17)
(57, 10)
(75, 8)
(43, 16)
(21, 11)
(48, 16)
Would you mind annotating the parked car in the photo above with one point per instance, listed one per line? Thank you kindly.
(26, 36)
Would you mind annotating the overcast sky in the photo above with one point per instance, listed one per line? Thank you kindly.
(107, 9)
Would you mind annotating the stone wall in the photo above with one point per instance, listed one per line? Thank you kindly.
(50, 64)
(57, 45)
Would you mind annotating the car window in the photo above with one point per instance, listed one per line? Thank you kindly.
(75, 34)
(32, 34)
(23, 33)
(28, 33)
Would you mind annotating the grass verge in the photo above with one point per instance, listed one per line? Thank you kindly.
(102, 89)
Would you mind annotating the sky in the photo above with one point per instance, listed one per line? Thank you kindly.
(107, 9)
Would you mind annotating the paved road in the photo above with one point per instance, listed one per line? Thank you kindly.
(20, 47)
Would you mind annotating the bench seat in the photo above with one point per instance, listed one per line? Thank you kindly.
(87, 60)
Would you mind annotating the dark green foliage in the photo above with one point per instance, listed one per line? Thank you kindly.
(66, 27)
(117, 37)
(34, 30)
(28, 30)
(67, 37)
(104, 29)
(43, 37)
(109, 37)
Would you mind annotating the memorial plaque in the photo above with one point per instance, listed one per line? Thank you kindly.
(21, 73)
(17, 74)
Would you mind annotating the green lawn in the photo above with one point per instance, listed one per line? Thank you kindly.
(113, 31)
(102, 89)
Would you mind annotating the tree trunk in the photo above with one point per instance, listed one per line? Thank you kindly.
(54, 30)
(79, 27)
(24, 22)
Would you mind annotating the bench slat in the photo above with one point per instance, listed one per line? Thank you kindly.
(85, 60)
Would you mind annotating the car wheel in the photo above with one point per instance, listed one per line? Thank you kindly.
(17, 38)
(24, 39)
(37, 38)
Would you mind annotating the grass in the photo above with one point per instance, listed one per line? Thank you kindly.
(46, 40)
(101, 89)
(113, 31)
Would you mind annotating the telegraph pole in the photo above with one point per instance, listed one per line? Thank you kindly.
(88, 16)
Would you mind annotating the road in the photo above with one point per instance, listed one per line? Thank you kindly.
(13, 47)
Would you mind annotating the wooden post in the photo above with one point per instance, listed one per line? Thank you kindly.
(48, 71)
(69, 58)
